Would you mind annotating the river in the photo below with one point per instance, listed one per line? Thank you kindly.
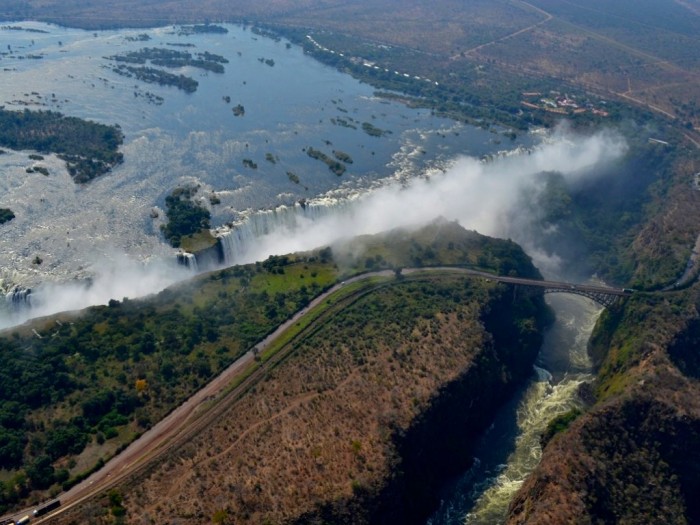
(175, 138)
(510, 449)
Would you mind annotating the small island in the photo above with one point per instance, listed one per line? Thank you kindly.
(343, 123)
(336, 167)
(186, 218)
(38, 169)
(173, 59)
(156, 76)
(202, 28)
(142, 37)
(374, 131)
(88, 148)
(238, 110)
(342, 156)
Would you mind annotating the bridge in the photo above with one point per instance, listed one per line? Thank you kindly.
(603, 295)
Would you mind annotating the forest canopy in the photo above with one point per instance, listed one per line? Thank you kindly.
(89, 149)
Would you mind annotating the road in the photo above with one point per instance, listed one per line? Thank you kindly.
(177, 425)
(547, 18)
(157, 438)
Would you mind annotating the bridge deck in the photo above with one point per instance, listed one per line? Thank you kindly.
(601, 294)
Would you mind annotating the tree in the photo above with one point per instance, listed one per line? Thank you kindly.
(41, 472)
(141, 386)
(11, 448)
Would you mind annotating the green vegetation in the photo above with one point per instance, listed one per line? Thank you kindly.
(249, 163)
(198, 241)
(342, 156)
(156, 76)
(185, 217)
(173, 59)
(594, 224)
(374, 131)
(293, 177)
(559, 424)
(38, 169)
(141, 37)
(6, 215)
(238, 110)
(336, 167)
(85, 383)
(478, 92)
(88, 148)
(343, 123)
(92, 382)
(202, 28)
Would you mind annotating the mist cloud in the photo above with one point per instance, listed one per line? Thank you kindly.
(481, 196)
(114, 278)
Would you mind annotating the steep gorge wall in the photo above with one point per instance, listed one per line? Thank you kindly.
(438, 444)
(635, 456)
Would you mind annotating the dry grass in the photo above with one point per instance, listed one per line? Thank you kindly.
(308, 434)
(321, 426)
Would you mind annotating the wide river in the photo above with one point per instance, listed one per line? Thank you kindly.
(174, 138)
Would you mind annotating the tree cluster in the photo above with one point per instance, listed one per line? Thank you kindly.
(185, 216)
(89, 149)
(6, 215)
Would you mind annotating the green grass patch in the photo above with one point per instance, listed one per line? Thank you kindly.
(198, 241)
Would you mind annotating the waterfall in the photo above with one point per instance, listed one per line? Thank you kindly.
(238, 239)
(17, 305)
(188, 260)
(19, 298)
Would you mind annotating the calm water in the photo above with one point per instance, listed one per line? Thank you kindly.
(192, 139)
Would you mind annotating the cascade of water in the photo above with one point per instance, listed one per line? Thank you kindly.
(19, 298)
(237, 240)
(188, 260)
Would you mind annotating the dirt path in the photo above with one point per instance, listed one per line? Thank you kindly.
(547, 18)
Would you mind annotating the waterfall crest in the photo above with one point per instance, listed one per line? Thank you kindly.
(238, 240)
(188, 260)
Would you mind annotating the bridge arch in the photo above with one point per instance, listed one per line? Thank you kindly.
(603, 299)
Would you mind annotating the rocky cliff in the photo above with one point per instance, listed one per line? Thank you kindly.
(635, 456)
